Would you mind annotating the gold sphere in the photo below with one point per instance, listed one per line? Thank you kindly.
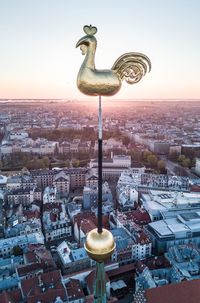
(99, 246)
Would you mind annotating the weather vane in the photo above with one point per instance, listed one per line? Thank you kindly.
(131, 67)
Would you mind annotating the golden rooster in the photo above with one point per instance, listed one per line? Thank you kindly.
(91, 81)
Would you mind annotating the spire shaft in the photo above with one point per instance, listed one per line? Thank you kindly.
(100, 139)
(100, 284)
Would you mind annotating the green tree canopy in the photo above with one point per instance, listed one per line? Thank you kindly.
(17, 251)
(152, 160)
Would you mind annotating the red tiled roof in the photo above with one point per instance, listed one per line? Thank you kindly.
(152, 263)
(32, 247)
(121, 270)
(13, 296)
(84, 216)
(105, 221)
(184, 292)
(50, 206)
(139, 216)
(40, 255)
(87, 225)
(32, 214)
(142, 238)
(53, 217)
(30, 257)
(48, 297)
(89, 216)
(45, 288)
(74, 289)
(28, 269)
(195, 188)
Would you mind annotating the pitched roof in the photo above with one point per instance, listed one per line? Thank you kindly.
(74, 289)
(12, 296)
(28, 269)
(184, 292)
(86, 215)
(61, 176)
(87, 225)
(124, 269)
(139, 216)
(78, 218)
(45, 288)
(142, 238)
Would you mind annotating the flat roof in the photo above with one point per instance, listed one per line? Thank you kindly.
(161, 228)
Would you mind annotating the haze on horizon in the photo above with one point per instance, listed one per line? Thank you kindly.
(39, 59)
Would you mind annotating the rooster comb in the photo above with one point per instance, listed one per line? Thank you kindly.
(90, 30)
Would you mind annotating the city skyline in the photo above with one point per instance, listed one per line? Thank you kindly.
(39, 59)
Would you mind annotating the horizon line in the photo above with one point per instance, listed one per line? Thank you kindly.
(89, 100)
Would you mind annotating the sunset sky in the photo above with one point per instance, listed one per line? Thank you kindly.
(38, 58)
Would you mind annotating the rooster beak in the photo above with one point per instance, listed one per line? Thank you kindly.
(80, 42)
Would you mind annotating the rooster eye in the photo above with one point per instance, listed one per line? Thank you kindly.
(83, 49)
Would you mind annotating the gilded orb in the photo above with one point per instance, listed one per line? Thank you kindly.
(99, 246)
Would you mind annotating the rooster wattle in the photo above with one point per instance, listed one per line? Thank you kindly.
(91, 81)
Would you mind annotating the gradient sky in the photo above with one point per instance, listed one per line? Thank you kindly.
(38, 58)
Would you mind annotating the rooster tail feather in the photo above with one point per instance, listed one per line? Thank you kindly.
(132, 67)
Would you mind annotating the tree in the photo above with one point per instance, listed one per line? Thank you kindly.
(45, 160)
(161, 164)
(125, 140)
(173, 155)
(161, 167)
(186, 162)
(136, 155)
(181, 158)
(152, 160)
(17, 251)
(146, 154)
(36, 163)
(76, 163)
(67, 163)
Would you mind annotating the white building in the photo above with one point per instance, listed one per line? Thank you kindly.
(142, 248)
(6, 245)
(3, 181)
(127, 196)
(91, 178)
(136, 177)
(182, 229)
(49, 195)
(56, 222)
(64, 251)
(165, 204)
(110, 144)
(112, 167)
(18, 135)
(62, 182)
(14, 182)
(6, 149)
(21, 196)
(197, 166)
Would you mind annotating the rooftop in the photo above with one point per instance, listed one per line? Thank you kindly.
(45, 288)
(184, 292)
(74, 289)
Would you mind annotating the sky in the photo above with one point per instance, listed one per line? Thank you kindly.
(38, 58)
